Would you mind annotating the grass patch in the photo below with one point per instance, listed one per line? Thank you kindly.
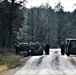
(3, 68)
(9, 61)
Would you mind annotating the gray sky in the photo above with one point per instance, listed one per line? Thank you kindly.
(68, 4)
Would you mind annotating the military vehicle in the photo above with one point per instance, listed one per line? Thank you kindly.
(70, 46)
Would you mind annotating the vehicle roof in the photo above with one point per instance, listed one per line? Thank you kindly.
(70, 38)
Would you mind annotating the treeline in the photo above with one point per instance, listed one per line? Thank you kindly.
(11, 19)
(38, 24)
(44, 24)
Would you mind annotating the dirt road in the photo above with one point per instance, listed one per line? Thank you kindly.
(53, 64)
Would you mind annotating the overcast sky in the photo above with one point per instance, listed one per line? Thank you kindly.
(68, 4)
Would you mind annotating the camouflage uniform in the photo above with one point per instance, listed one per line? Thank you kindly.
(16, 47)
(47, 49)
(62, 46)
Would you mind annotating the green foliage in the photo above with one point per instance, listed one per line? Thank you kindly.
(42, 24)
(11, 19)
(48, 25)
(59, 7)
(9, 59)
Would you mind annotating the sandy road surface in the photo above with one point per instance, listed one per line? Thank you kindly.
(53, 64)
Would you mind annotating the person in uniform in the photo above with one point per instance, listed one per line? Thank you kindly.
(62, 46)
(16, 47)
(47, 49)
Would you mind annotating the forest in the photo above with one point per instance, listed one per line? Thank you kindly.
(38, 24)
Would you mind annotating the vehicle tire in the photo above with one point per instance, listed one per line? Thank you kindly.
(62, 53)
(68, 54)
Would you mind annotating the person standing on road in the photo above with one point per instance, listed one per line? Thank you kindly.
(16, 47)
(62, 46)
(47, 49)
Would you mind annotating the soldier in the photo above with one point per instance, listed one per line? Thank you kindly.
(41, 49)
(22, 47)
(69, 45)
(46, 48)
(32, 49)
(16, 47)
(36, 48)
(62, 46)
(27, 49)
